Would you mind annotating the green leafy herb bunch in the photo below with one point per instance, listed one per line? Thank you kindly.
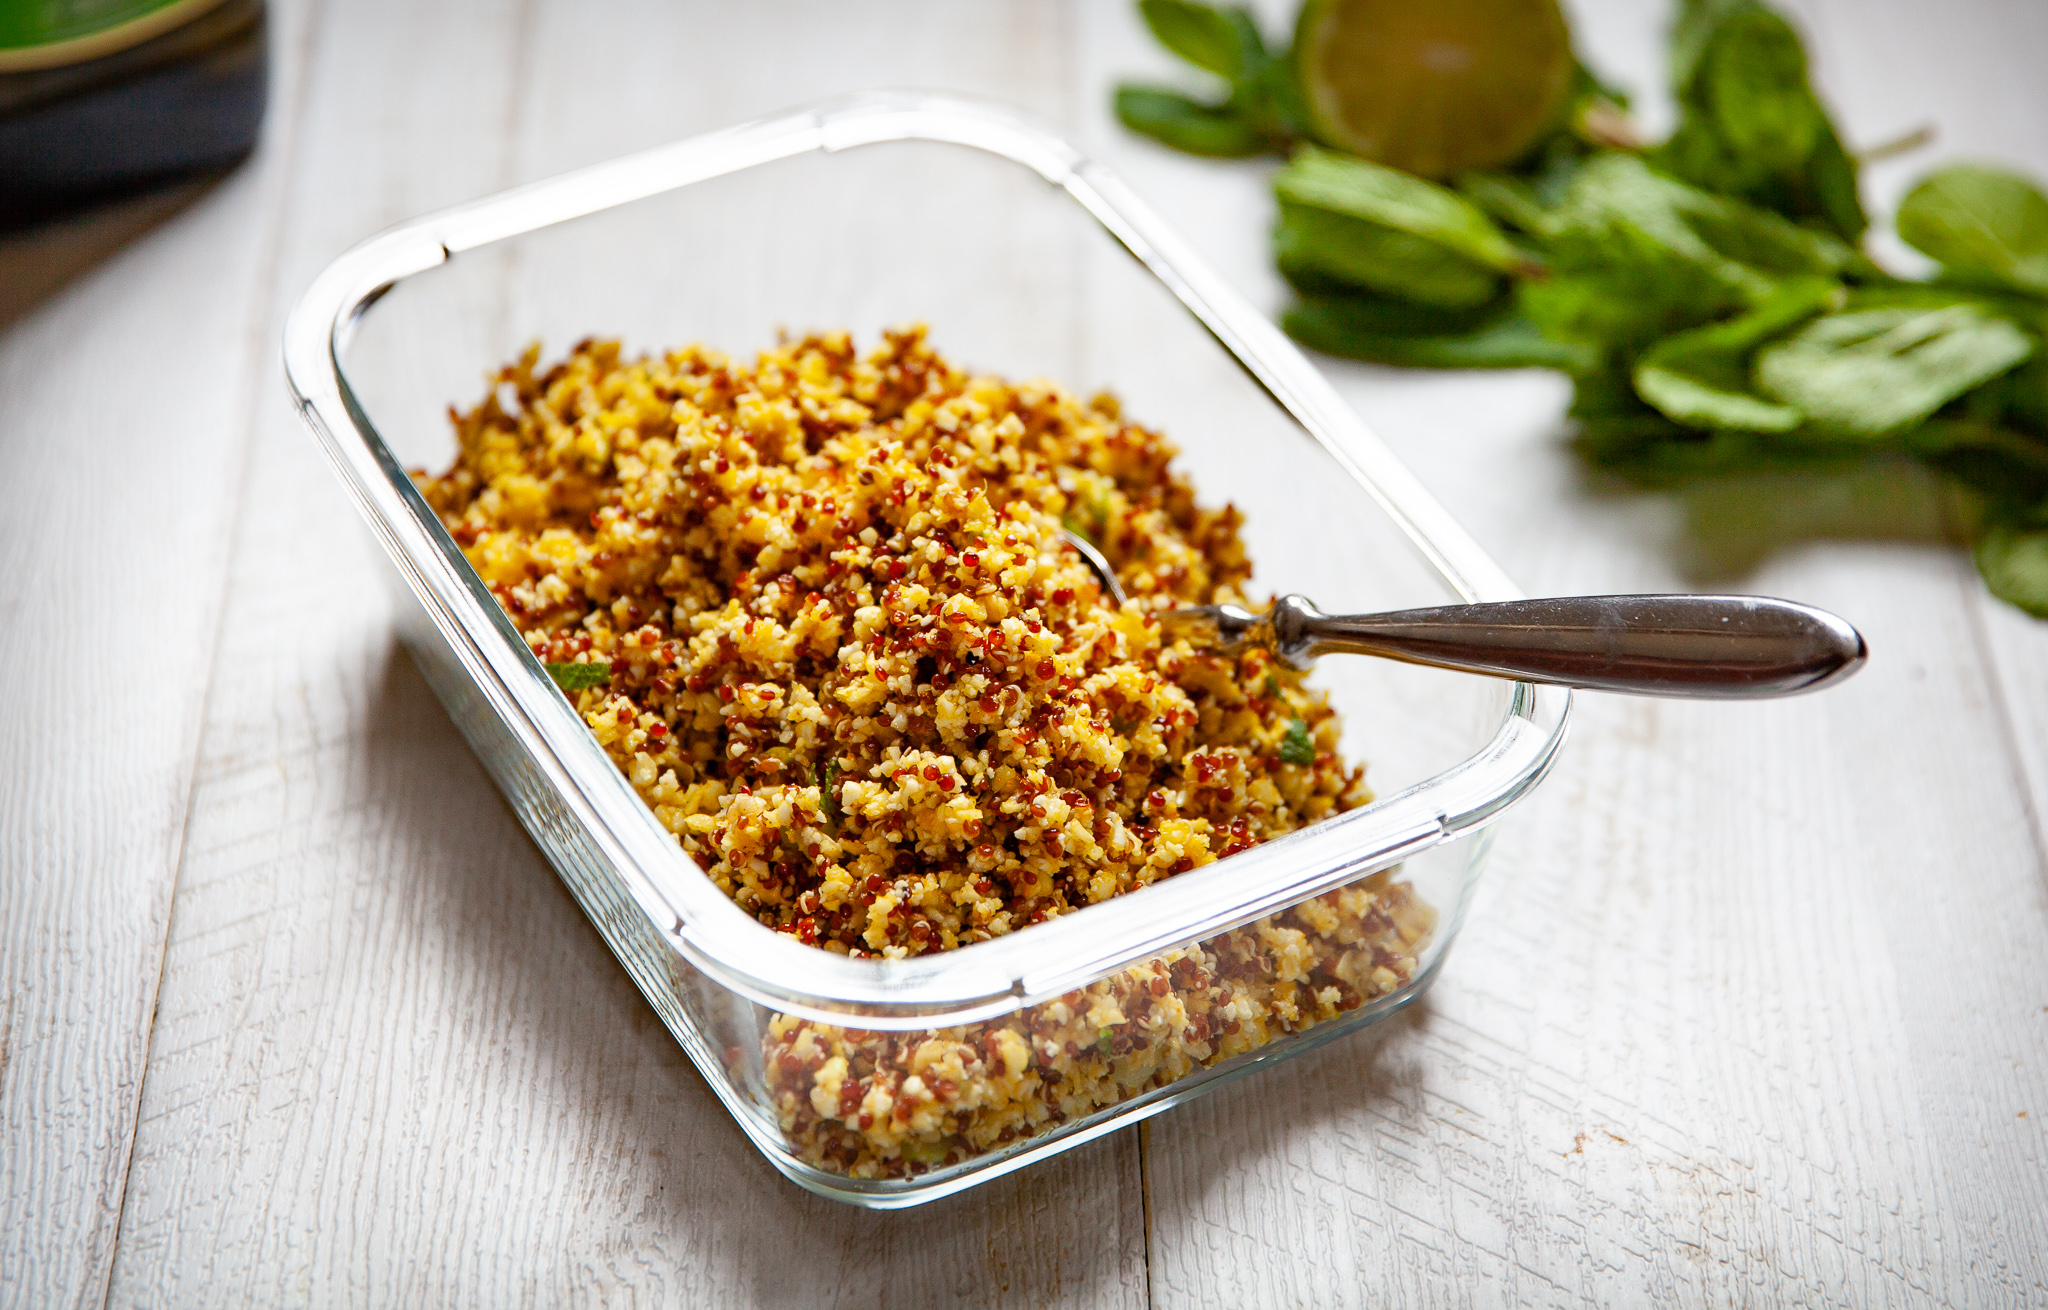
(1709, 296)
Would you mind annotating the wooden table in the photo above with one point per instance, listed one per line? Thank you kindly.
(1753, 1006)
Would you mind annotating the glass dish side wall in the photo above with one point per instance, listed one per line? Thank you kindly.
(756, 1059)
(432, 337)
(1045, 1080)
(893, 1118)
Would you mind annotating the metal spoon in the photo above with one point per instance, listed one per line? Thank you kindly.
(1711, 647)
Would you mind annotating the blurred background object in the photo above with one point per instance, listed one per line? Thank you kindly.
(105, 97)
(1435, 89)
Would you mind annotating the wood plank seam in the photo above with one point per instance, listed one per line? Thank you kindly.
(1145, 1202)
(525, 24)
(2003, 709)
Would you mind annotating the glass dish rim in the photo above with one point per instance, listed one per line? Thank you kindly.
(988, 979)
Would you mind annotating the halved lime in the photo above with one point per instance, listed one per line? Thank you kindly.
(1435, 87)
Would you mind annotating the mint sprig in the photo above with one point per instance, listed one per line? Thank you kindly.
(1260, 110)
(1296, 747)
(573, 678)
(1709, 296)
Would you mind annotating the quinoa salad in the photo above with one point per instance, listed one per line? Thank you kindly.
(821, 611)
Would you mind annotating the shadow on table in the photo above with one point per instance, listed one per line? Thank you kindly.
(1732, 526)
(660, 1189)
(39, 260)
(665, 1189)
(1225, 1140)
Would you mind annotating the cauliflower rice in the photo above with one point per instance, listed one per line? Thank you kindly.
(842, 648)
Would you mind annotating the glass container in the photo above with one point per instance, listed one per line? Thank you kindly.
(1026, 259)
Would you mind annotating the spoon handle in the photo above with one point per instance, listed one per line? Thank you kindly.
(1715, 647)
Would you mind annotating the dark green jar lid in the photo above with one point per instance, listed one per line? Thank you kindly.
(39, 34)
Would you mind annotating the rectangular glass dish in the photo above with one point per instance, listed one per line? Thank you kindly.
(880, 1082)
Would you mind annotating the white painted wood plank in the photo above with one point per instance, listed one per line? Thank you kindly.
(2001, 120)
(394, 1065)
(1895, 67)
(126, 365)
(316, 1132)
(2018, 646)
(1749, 1008)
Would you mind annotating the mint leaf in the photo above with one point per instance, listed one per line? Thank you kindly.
(1750, 82)
(1396, 332)
(1273, 96)
(1831, 184)
(828, 794)
(1981, 221)
(1621, 435)
(1634, 256)
(1694, 27)
(1764, 242)
(1508, 199)
(1348, 223)
(1264, 109)
(1315, 244)
(1868, 373)
(1379, 315)
(1621, 311)
(2015, 307)
(1295, 747)
(2014, 562)
(1187, 124)
(1386, 197)
(1224, 43)
(1701, 377)
(1751, 126)
(573, 678)
(1709, 390)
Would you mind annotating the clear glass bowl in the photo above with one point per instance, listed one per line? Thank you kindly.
(875, 211)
